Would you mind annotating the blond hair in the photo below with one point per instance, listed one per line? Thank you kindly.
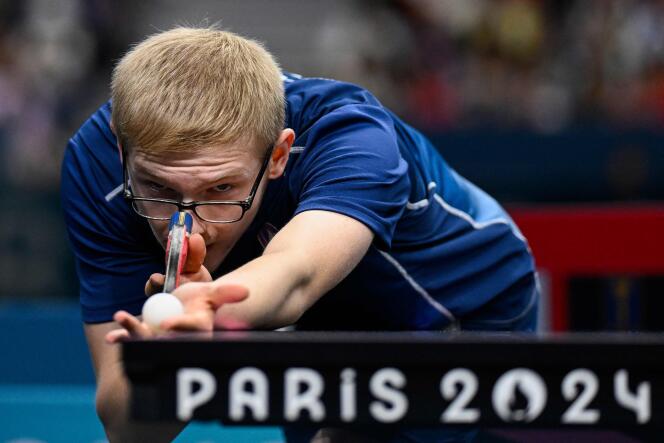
(188, 88)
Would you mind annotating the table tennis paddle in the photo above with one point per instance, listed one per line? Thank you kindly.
(179, 229)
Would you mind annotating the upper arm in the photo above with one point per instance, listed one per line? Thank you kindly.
(352, 165)
(351, 187)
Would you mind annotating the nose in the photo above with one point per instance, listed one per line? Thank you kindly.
(198, 225)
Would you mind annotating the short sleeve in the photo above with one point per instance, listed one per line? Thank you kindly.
(115, 251)
(351, 165)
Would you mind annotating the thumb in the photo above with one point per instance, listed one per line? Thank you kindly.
(195, 254)
(154, 284)
(223, 293)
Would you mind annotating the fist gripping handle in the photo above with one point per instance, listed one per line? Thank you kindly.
(179, 229)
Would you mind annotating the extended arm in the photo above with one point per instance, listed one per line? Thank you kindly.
(308, 257)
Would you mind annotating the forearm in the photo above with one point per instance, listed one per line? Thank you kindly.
(113, 410)
(307, 258)
(281, 288)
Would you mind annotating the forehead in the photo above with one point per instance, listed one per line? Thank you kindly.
(239, 154)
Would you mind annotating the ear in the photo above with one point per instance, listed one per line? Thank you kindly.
(280, 153)
(117, 140)
(119, 150)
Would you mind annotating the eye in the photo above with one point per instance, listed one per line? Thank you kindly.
(225, 187)
(156, 186)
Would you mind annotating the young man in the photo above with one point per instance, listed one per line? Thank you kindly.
(313, 205)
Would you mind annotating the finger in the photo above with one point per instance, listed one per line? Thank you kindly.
(154, 284)
(227, 293)
(188, 322)
(195, 254)
(132, 324)
(117, 335)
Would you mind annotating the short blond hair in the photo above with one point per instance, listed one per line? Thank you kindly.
(188, 88)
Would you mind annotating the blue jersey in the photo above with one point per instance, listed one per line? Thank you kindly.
(444, 251)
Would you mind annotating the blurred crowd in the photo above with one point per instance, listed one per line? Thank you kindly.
(445, 65)
(442, 64)
(53, 66)
(542, 65)
(53, 71)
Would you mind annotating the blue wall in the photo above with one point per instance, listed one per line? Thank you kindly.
(576, 165)
(44, 341)
(47, 383)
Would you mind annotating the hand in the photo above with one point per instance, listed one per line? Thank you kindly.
(200, 298)
(192, 271)
(132, 327)
(200, 302)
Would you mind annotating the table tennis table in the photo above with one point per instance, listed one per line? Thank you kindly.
(588, 381)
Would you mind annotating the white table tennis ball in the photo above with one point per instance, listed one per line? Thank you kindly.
(159, 307)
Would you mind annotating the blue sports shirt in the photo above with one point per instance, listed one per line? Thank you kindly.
(444, 251)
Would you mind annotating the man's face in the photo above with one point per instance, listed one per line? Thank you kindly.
(215, 173)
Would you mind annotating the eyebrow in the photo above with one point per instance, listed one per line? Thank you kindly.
(146, 175)
(235, 173)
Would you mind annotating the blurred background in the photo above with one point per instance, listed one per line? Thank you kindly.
(546, 104)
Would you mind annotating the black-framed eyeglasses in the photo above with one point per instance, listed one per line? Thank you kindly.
(212, 211)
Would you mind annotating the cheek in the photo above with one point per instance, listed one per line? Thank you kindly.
(225, 236)
(223, 240)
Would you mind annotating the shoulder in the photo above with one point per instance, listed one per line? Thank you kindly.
(309, 99)
(91, 164)
(92, 152)
(114, 249)
(91, 179)
(97, 128)
(326, 89)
